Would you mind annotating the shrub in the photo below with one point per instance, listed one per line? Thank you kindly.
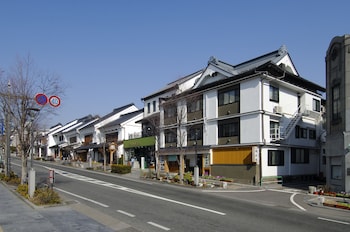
(120, 169)
(11, 179)
(46, 196)
(23, 190)
(188, 177)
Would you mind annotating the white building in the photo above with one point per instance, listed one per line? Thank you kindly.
(247, 121)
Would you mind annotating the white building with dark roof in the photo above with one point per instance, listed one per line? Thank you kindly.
(248, 121)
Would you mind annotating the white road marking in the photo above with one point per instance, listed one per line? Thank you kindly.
(294, 203)
(291, 198)
(233, 191)
(126, 213)
(81, 197)
(159, 226)
(119, 187)
(331, 220)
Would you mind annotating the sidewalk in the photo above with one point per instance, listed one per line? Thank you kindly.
(18, 215)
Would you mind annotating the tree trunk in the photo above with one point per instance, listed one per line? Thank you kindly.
(181, 168)
(24, 169)
(157, 166)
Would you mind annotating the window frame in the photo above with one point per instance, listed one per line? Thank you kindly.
(300, 156)
(195, 106)
(170, 112)
(316, 105)
(170, 137)
(312, 134)
(148, 107)
(275, 127)
(274, 93)
(154, 106)
(228, 128)
(336, 104)
(191, 134)
(229, 96)
(275, 158)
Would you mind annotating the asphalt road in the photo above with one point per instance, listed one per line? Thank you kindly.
(153, 206)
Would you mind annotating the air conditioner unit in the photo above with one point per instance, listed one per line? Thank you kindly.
(277, 109)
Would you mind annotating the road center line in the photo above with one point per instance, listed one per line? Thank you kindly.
(81, 197)
(331, 220)
(158, 226)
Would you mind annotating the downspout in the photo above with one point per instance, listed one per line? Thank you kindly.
(262, 125)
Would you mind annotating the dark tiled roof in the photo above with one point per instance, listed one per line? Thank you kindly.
(115, 111)
(124, 118)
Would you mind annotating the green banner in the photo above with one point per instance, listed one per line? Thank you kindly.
(140, 142)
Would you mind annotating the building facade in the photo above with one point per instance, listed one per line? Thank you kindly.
(248, 121)
(338, 113)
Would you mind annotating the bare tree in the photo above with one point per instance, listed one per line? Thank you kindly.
(22, 82)
(180, 125)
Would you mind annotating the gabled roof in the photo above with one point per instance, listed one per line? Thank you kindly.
(227, 70)
(270, 69)
(115, 111)
(123, 118)
(81, 123)
(288, 77)
(172, 85)
(272, 57)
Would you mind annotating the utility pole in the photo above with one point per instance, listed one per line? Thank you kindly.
(32, 112)
(8, 131)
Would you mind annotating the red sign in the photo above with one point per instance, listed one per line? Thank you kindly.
(41, 99)
(54, 101)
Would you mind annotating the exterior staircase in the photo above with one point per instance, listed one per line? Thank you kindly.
(291, 125)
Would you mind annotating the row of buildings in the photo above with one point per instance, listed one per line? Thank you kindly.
(248, 121)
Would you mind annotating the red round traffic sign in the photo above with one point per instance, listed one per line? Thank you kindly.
(54, 101)
(41, 99)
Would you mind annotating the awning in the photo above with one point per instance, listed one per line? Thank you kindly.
(140, 142)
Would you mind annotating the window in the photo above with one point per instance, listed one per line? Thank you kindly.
(194, 106)
(316, 105)
(228, 128)
(170, 137)
(336, 103)
(312, 134)
(60, 138)
(73, 139)
(275, 158)
(154, 106)
(274, 130)
(194, 134)
(148, 107)
(170, 112)
(274, 94)
(228, 96)
(300, 156)
(336, 171)
(300, 132)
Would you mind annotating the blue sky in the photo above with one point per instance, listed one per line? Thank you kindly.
(111, 53)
